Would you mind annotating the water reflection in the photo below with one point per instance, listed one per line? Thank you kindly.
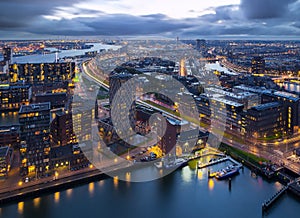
(186, 174)
(69, 192)
(56, 197)
(101, 182)
(116, 181)
(200, 174)
(36, 202)
(211, 184)
(278, 186)
(91, 188)
(128, 178)
(21, 207)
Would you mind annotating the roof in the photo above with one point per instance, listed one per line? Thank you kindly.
(287, 95)
(266, 106)
(227, 102)
(4, 151)
(35, 107)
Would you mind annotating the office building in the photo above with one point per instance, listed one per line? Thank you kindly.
(291, 109)
(42, 73)
(6, 155)
(61, 130)
(263, 121)
(12, 97)
(34, 122)
(258, 65)
(7, 54)
(9, 136)
(124, 106)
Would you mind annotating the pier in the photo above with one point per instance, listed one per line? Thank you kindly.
(220, 160)
(268, 204)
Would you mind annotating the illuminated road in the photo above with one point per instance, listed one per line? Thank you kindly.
(265, 150)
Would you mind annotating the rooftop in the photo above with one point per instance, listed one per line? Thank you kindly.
(266, 106)
(4, 151)
(35, 107)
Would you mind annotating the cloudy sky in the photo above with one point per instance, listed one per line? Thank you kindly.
(165, 18)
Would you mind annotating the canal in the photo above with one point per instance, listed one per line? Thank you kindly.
(184, 193)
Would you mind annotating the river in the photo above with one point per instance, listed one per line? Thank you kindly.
(184, 193)
(63, 53)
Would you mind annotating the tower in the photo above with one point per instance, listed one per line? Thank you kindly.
(258, 65)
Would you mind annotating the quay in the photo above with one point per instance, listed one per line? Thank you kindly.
(223, 159)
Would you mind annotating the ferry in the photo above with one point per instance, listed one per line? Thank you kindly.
(227, 172)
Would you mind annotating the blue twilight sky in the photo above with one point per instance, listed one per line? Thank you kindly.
(164, 18)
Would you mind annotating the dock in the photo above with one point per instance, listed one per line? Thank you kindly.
(220, 160)
(268, 204)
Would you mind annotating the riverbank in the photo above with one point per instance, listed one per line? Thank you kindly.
(50, 186)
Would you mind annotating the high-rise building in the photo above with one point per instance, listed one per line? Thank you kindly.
(6, 154)
(258, 65)
(42, 73)
(12, 97)
(61, 130)
(34, 122)
(200, 44)
(9, 136)
(291, 109)
(124, 102)
(7, 54)
(263, 121)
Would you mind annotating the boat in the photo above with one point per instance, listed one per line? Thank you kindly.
(227, 172)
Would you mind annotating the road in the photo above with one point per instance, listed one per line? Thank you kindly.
(265, 150)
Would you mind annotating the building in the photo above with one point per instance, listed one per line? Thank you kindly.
(258, 65)
(216, 107)
(34, 122)
(200, 44)
(42, 73)
(69, 156)
(192, 140)
(7, 54)
(82, 124)
(122, 105)
(61, 130)
(9, 136)
(57, 100)
(291, 109)
(12, 97)
(6, 155)
(246, 98)
(263, 121)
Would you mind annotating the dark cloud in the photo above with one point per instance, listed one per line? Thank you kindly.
(20, 13)
(265, 9)
(116, 24)
(250, 18)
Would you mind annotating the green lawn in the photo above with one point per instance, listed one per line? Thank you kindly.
(242, 154)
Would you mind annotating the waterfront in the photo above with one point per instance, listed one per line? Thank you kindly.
(184, 193)
(48, 58)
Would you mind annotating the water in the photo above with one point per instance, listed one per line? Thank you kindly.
(183, 193)
(63, 53)
(9, 119)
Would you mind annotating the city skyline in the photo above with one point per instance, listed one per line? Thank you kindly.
(214, 19)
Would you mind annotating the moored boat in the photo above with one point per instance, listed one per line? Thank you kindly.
(227, 172)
